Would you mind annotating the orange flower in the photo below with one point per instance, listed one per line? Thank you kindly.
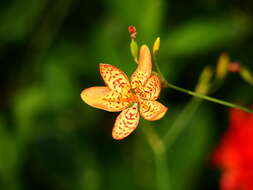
(120, 94)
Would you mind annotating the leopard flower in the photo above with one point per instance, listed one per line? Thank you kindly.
(134, 98)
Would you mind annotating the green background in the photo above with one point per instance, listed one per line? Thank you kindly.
(51, 50)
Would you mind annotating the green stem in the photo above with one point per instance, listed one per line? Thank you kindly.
(181, 122)
(211, 99)
(159, 150)
(162, 171)
(163, 80)
(157, 67)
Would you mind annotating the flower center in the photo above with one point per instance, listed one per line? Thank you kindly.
(135, 98)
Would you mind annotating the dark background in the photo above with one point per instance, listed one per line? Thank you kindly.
(50, 51)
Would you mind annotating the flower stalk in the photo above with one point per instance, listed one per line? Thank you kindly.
(208, 98)
(165, 84)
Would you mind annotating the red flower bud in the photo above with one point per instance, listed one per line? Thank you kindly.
(132, 32)
(234, 67)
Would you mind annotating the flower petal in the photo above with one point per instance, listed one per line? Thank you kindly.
(152, 88)
(152, 110)
(114, 78)
(143, 70)
(103, 98)
(126, 122)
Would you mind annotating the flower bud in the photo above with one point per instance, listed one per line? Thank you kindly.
(156, 46)
(134, 50)
(222, 66)
(234, 67)
(246, 75)
(132, 32)
(204, 80)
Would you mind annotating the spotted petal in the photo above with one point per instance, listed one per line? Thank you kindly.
(143, 71)
(103, 98)
(114, 78)
(152, 88)
(126, 122)
(152, 110)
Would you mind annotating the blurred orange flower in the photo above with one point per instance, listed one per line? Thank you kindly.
(235, 153)
(120, 94)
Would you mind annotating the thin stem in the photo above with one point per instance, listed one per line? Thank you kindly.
(181, 122)
(159, 150)
(157, 67)
(162, 171)
(163, 80)
(211, 99)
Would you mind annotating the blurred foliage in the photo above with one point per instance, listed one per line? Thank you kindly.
(49, 52)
